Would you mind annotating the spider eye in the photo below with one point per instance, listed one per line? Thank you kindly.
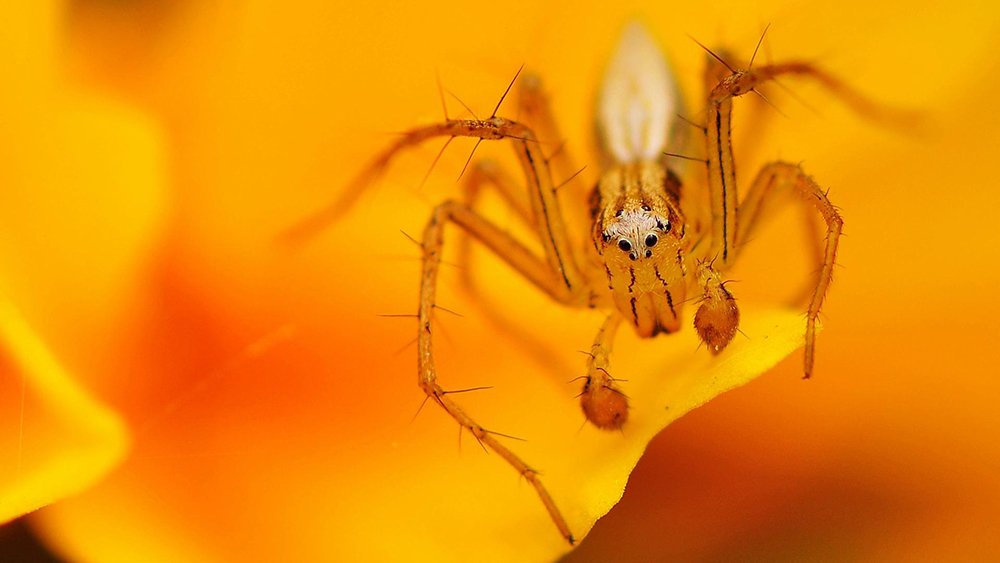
(666, 226)
(651, 239)
(625, 245)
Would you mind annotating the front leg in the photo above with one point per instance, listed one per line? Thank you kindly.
(722, 190)
(721, 166)
(731, 225)
(520, 259)
(546, 213)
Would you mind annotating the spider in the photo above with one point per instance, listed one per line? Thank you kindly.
(650, 245)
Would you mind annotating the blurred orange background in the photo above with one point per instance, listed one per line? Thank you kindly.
(153, 149)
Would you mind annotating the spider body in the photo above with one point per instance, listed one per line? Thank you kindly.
(646, 256)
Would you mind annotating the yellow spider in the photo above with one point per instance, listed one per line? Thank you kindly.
(649, 248)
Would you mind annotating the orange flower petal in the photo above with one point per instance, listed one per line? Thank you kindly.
(307, 451)
(57, 439)
(79, 208)
(432, 501)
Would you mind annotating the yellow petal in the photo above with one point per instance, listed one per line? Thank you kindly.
(65, 250)
(343, 456)
(57, 440)
(466, 505)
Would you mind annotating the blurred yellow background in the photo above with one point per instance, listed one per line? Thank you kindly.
(151, 150)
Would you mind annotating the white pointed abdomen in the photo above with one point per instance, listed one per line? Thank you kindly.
(638, 101)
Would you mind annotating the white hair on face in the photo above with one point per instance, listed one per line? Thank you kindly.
(632, 225)
(638, 99)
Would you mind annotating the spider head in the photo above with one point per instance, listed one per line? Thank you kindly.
(636, 235)
(637, 218)
(642, 251)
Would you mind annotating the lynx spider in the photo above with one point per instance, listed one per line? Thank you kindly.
(647, 250)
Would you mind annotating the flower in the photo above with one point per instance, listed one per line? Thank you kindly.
(270, 416)
(57, 438)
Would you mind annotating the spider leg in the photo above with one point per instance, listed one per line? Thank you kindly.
(484, 174)
(546, 212)
(731, 225)
(757, 209)
(557, 274)
(603, 404)
(535, 108)
(766, 189)
(717, 317)
(733, 83)
(488, 173)
(722, 190)
(746, 80)
(810, 228)
(522, 260)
